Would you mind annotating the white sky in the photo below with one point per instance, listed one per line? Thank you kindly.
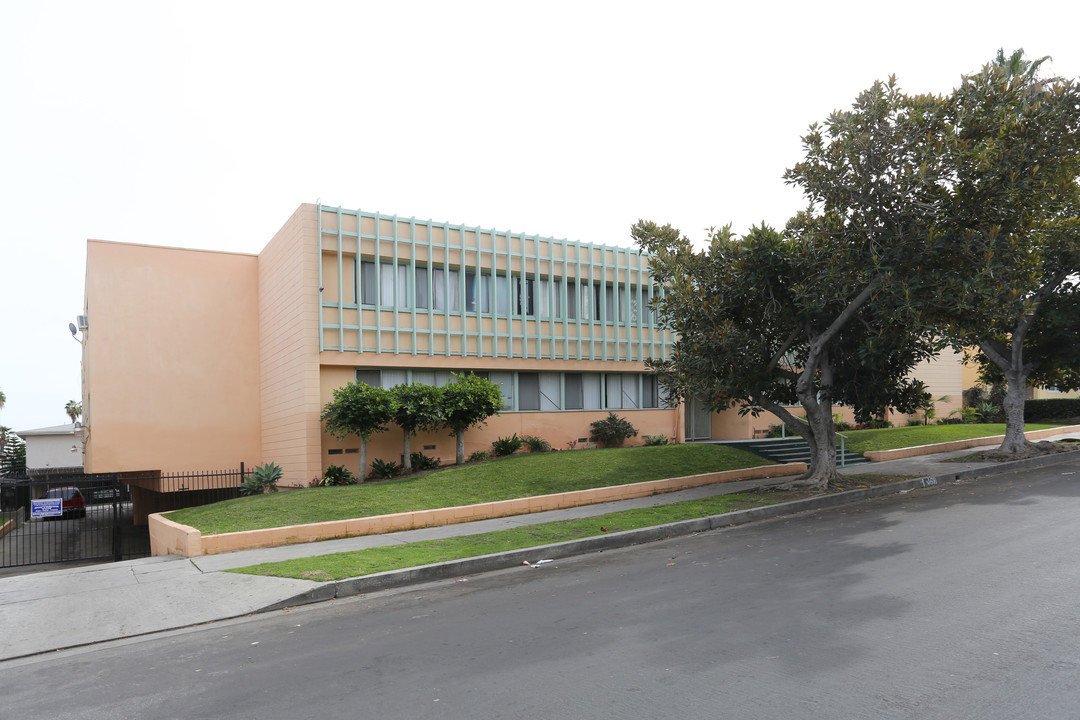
(205, 124)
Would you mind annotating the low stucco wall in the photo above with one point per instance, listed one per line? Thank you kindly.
(901, 453)
(170, 538)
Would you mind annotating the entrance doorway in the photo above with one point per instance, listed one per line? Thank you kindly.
(698, 420)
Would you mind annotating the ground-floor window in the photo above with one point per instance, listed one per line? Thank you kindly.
(542, 391)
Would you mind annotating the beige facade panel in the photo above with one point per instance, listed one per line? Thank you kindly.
(289, 348)
(171, 359)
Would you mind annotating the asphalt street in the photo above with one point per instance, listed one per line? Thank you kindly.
(952, 602)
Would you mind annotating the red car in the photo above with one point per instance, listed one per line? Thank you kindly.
(74, 505)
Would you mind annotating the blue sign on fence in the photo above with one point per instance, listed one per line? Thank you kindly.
(47, 507)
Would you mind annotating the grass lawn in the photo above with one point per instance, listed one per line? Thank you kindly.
(862, 441)
(503, 479)
(339, 566)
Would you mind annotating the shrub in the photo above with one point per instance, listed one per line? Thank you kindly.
(263, 478)
(1051, 408)
(335, 475)
(536, 444)
(986, 411)
(656, 439)
(612, 430)
(480, 456)
(963, 415)
(420, 461)
(875, 424)
(385, 469)
(506, 446)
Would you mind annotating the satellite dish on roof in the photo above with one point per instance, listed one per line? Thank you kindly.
(73, 329)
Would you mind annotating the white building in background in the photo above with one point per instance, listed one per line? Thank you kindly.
(55, 449)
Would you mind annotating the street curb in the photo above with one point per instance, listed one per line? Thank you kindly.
(501, 561)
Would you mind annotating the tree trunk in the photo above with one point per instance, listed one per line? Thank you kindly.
(1010, 360)
(407, 458)
(460, 446)
(1015, 396)
(821, 469)
(363, 459)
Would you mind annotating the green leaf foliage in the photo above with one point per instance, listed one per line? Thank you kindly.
(358, 409)
(417, 407)
(612, 431)
(469, 400)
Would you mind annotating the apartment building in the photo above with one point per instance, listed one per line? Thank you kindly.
(201, 360)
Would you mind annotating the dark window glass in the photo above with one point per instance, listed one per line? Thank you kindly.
(369, 377)
(368, 295)
(528, 391)
(572, 389)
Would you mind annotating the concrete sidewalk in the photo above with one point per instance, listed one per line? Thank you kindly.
(45, 611)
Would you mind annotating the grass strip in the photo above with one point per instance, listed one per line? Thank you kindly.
(357, 563)
(862, 441)
(504, 479)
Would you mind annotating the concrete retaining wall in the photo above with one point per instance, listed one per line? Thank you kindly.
(171, 538)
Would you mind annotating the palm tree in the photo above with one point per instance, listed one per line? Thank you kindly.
(3, 399)
(1016, 66)
(5, 435)
(73, 410)
(1022, 71)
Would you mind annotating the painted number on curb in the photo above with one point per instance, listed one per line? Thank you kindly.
(928, 481)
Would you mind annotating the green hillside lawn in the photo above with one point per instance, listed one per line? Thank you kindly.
(862, 441)
(504, 479)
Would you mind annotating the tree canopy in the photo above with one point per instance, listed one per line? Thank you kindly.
(1011, 227)
(467, 401)
(358, 409)
(415, 408)
(928, 218)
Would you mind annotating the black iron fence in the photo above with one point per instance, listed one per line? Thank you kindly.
(59, 518)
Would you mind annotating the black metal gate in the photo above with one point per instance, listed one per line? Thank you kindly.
(95, 520)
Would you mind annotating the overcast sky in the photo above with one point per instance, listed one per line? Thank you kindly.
(206, 124)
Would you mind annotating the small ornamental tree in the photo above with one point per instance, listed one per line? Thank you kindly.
(358, 409)
(416, 408)
(467, 401)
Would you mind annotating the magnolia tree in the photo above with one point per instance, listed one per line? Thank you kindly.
(760, 329)
(825, 311)
(358, 409)
(467, 401)
(1009, 217)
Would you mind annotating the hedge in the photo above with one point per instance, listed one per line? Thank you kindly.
(1055, 409)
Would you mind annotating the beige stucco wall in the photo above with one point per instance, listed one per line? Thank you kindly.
(288, 349)
(944, 378)
(170, 359)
